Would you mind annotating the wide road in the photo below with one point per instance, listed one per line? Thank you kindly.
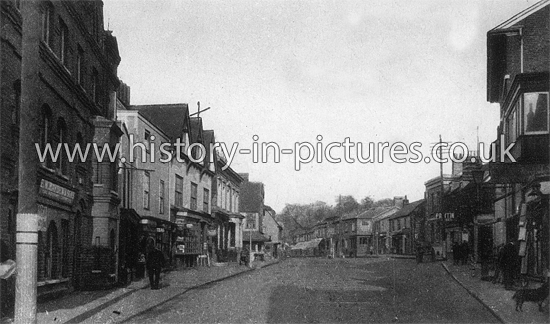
(315, 290)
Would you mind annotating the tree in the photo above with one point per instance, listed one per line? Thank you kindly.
(386, 202)
(346, 204)
(367, 203)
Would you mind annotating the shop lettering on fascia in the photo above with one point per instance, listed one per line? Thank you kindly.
(445, 216)
(56, 192)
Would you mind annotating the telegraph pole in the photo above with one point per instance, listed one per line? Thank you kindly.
(27, 216)
(442, 220)
(339, 225)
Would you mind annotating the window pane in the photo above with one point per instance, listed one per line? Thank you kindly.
(536, 112)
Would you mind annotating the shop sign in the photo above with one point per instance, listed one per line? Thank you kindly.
(180, 221)
(56, 192)
(212, 232)
(160, 230)
(445, 216)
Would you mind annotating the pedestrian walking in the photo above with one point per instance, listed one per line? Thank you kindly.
(155, 263)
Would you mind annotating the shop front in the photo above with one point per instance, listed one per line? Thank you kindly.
(161, 233)
(192, 236)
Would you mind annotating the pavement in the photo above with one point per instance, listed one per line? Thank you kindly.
(494, 297)
(119, 304)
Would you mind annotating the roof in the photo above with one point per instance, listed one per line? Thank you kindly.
(170, 118)
(370, 213)
(407, 209)
(196, 131)
(307, 245)
(256, 236)
(520, 16)
(251, 197)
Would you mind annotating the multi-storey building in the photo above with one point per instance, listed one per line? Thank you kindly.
(402, 226)
(273, 231)
(518, 61)
(251, 205)
(147, 178)
(227, 242)
(434, 227)
(59, 66)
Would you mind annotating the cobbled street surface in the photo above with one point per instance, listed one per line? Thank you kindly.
(315, 290)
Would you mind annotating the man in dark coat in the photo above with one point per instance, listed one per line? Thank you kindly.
(155, 263)
(456, 256)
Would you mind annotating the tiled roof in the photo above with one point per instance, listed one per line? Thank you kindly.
(521, 15)
(170, 118)
(370, 213)
(407, 209)
(251, 197)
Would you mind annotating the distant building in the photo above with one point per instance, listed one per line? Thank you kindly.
(403, 226)
(251, 206)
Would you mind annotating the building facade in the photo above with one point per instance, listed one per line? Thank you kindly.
(518, 60)
(59, 66)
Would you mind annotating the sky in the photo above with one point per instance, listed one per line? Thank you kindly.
(289, 71)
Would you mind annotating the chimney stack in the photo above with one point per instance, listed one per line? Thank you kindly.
(244, 176)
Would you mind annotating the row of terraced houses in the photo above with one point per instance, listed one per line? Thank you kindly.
(59, 84)
(488, 204)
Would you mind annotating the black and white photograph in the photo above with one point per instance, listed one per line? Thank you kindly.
(274, 161)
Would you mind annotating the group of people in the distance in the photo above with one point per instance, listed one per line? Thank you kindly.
(461, 253)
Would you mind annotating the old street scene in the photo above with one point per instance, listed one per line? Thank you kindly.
(274, 161)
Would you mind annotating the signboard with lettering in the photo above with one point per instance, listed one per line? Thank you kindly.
(56, 192)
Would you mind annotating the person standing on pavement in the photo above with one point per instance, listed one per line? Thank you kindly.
(455, 253)
(155, 263)
(419, 253)
(464, 251)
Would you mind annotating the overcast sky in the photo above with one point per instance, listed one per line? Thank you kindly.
(288, 71)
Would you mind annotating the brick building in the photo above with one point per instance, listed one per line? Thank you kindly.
(518, 61)
(60, 66)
